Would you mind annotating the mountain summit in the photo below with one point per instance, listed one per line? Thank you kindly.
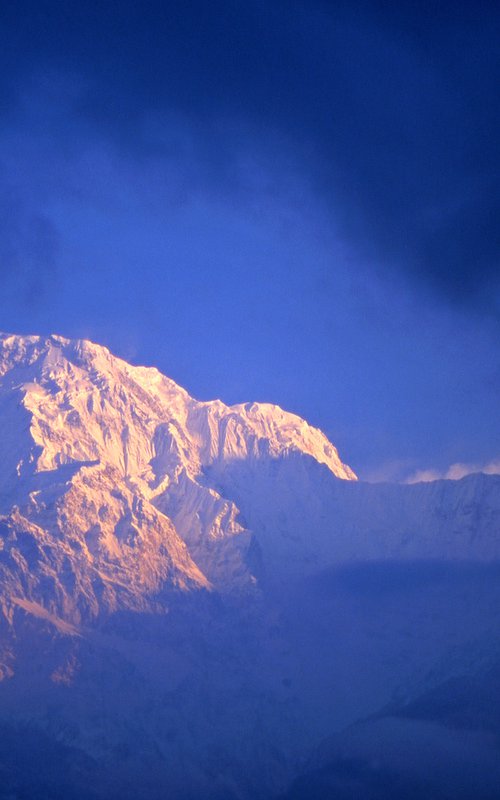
(108, 482)
(192, 595)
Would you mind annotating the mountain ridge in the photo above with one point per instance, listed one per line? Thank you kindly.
(111, 458)
(193, 594)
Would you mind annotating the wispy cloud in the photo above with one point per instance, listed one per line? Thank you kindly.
(454, 472)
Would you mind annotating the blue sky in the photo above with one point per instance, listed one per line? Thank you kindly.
(291, 202)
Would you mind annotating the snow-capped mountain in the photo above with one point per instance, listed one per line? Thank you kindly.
(201, 592)
(105, 464)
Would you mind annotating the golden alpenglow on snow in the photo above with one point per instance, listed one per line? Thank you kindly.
(187, 584)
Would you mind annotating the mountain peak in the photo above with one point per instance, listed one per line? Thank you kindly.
(62, 367)
(107, 466)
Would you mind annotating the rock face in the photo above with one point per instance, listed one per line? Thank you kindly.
(103, 479)
(187, 598)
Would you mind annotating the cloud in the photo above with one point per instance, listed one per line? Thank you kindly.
(388, 472)
(29, 248)
(391, 112)
(454, 472)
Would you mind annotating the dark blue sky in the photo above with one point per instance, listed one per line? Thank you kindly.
(284, 201)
